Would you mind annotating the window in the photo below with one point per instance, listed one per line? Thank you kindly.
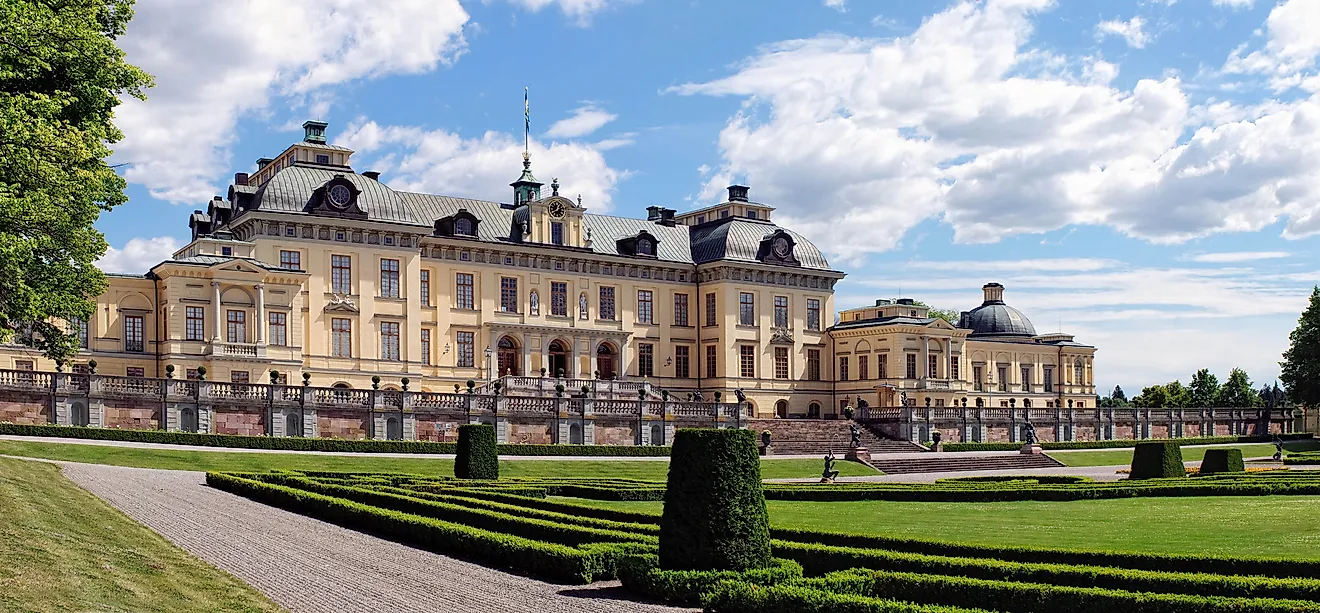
(135, 371)
(1049, 378)
(645, 360)
(701, 219)
(751, 214)
(843, 368)
(466, 350)
(463, 291)
(341, 274)
(559, 299)
(278, 329)
(463, 226)
(863, 367)
(681, 361)
(813, 365)
(509, 294)
(781, 311)
(194, 324)
(712, 355)
(556, 232)
(80, 328)
(291, 260)
(978, 378)
(290, 230)
(710, 309)
(932, 366)
(644, 247)
(954, 363)
(813, 314)
(226, 251)
(192, 374)
(322, 158)
(607, 303)
(911, 366)
(389, 341)
(781, 362)
(24, 365)
(389, 278)
(724, 214)
(341, 341)
(1026, 378)
(1079, 373)
(746, 309)
(133, 333)
(680, 309)
(426, 346)
(389, 239)
(747, 361)
(1003, 378)
(645, 310)
(882, 366)
(237, 326)
(424, 286)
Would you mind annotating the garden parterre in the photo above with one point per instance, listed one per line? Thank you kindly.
(520, 525)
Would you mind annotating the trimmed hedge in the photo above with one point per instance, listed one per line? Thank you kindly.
(1021, 491)
(1122, 443)
(1156, 460)
(1050, 479)
(295, 443)
(477, 458)
(714, 516)
(575, 519)
(739, 597)
(1222, 461)
(641, 574)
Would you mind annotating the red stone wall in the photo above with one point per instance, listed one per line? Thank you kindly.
(1046, 434)
(235, 421)
(950, 435)
(432, 429)
(536, 434)
(24, 409)
(131, 416)
(615, 434)
(1083, 433)
(1123, 431)
(1159, 431)
(343, 424)
(1222, 429)
(1191, 429)
(996, 434)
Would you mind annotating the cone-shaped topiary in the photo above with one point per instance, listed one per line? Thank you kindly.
(714, 517)
(477, 455)
(1157, 459)
(1222, 461)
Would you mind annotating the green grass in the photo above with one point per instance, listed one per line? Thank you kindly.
(1113, 457)
(1269, 526)
(63, 549)
(256, 461)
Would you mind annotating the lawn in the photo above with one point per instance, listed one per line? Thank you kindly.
(1113, 457)
(256, 461)
(1268, 526)
(63, 549)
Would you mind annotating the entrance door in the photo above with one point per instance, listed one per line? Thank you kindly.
(509, 361)
(781, 409)
(813, 410)
(605, 361)
(559, 366)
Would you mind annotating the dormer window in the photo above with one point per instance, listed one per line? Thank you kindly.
(461, 223)
(643, 243)
(644, 247)
(226, 251)
(463, 226)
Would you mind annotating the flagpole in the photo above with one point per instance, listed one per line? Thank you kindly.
(527, 122)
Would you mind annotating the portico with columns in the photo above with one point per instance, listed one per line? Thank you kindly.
(580, 352)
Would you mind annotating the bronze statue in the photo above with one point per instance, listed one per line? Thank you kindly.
(1278, 448)
(856, 436)
(829, 472)
(1029, 432)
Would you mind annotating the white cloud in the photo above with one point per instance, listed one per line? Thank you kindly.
(1233, 4)
(965, 122)
(441, 162)
(1238, 256)
(580, 11)
(583, 121)
(1130, 31)
(217, 62)
(838, 5)
(138, 255)
(1292, 45)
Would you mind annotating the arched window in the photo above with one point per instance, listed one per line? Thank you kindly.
(781, 409)
(187, 419)
(509, 362)
(644, 247)
(605, 362)
(463, 226)
(813, 410)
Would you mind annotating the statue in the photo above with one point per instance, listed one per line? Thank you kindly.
(741, 396)
(536, 303)
(765, 438)
(1278, 448)
(903, 401)
(935, 437)
(856, 435)
(1029, 432)
(829, 474)
(582, 306)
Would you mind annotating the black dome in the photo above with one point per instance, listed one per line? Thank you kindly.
(994, 318)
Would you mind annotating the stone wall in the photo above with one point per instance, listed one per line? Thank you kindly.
(1159, 431)
(343, 424)
(227, 420)
(1084, 433)
(131, 415)
(536, 433)
(26, 409)
(437, 429)
(615, 433)
(1192, 429)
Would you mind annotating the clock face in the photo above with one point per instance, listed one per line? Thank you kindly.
(340, 195)
(556, 209)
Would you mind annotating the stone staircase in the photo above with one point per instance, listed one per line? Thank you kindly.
(817, 436)
(948, 462)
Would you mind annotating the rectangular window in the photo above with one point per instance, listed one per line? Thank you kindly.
(781, 311)
(978, 378)
(463, 292)
(322, 159)
(424, 286)
(710, 309)
(681, 361)
(279, 329)
(932, 366)
(133, 334)
(135, 371)
(341, 274)
(645, 360)
(236, 326)
(746, 309)
(1079, 373)
(843, 368)
(1026, 378)
(882, 366)
(389, 341)
(813, 314)
(192, 374)
(195, 324)
(559, 299)
(645, 309)
(863, 367)
(747, 361)
(1003, 378)
(509, 294)
(607, 303)
(680, 309)
(556, 233)
(911, 366)
(1049, 378)
(238, 376)
(955, 364)
(341, 338)
(389, 278)
(466, 357)
(80, 328)
(291, 260)
(712, 355)
(781, 362)
(813, 365)
(426, 346)
(24, 365)
(226, 251)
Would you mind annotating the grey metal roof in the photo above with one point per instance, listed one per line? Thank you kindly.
(739, 239)
(896, 320)
(291, 188)
(212, 260)
(672, 241)
(994, 318)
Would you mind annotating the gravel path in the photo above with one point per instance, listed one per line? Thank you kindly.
(309, 566)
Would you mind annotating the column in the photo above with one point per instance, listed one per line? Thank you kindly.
(948, 360)
(623, 361)
(545, 357)
(215, 311)
(923, 367)
(591, 354)
(492, 360)
(527, 354)
(260, 322)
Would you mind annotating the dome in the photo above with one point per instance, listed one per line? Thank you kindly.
(994, 318)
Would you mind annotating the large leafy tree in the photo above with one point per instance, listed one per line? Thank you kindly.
(1300, 368)
(1153, 396)
(1204, 388)
(1117, 397)
(1237, 391)
(61, 77)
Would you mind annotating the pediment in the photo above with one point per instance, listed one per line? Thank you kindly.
(237, 267)
(941, 324)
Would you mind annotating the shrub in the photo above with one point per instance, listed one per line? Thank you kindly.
(477, 455)
(714, 515)
(740, 597)
(642, 575)
(1122, 443)
(1155, 460)
(1222, 461)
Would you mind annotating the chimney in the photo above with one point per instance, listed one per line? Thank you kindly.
(994, 292)
(372, 174)
(738, 193)
(667, 217)
(262, 162)
(314, 131)
(240, 178)
(653, 213)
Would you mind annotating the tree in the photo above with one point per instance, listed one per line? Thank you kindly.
(1204, 389)
(1237, 391)
(61, 76)
(1300, 368)
(1153, 396)
(1118, 396)
(945, 314)
(1179, 396)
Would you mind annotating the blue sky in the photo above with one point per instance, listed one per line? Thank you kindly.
(1144, 174)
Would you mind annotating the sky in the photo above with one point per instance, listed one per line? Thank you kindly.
(1143, 174)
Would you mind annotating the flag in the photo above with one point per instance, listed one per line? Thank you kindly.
(527, 113)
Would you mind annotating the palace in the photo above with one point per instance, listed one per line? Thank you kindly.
(308, 267)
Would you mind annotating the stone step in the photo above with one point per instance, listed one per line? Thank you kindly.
(928, 463)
